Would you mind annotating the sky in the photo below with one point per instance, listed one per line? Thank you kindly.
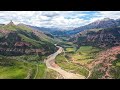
(56, 19)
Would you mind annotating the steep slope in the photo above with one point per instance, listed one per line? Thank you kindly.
(104, 23)
(100, 38)
(21, 39)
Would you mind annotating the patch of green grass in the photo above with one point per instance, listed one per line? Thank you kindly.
(32, 41)
(70, 49)
(10, 27)
(87, 49)
(29, 58)
(14, 69)
(62, 62)
(85, 54)
(41, 71)
(118, 64)
(15, 28)
(51, 74)
(22, 27)
(12, 72)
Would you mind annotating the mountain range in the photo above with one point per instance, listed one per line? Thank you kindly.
(101, 33)
(98, 24)
(21, 39)
(25, 39)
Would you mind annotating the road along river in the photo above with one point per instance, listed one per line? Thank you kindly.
(50, 63)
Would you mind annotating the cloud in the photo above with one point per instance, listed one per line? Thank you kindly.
(50, 14)
(60, 19)
(105, 14)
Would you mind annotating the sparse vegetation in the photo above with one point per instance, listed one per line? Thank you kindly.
(115, 69)
(41, 71)
(51, 74)
(96, 74)
(68, 66)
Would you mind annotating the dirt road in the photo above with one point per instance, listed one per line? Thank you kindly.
(54, 66)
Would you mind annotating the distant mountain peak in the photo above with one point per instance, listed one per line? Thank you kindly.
(11, 23)
(106, 19)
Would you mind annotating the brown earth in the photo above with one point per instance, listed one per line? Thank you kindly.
(105, 58)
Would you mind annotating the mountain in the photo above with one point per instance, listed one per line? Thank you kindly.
(43, 29)
(103, 38)
(104, 23)
(52, 31)
(21, 39)
(99, 24)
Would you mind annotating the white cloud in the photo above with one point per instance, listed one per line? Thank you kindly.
(110, 14)
(106, 14)
(60, 19)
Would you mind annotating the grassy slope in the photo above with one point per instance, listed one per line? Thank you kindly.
(68, 66)
(12, 69)
(18, 67)
(83, 55)
(15, 28)
(115, 69)
(51, 74)
(41, 71)
(32, 41)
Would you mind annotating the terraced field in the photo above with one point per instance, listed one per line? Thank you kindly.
(20, 68)
(83, 55)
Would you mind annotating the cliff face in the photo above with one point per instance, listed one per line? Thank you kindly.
(19, 40)
(102, 38)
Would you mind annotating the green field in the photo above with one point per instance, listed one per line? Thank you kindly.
(20, 67)
(70, 49)
(68, 66)
(13, 69)
(51, 74)
(25, 67)
(41, 71)
(85, 54)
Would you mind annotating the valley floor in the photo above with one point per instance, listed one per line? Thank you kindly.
(50, 63)
(86, 62)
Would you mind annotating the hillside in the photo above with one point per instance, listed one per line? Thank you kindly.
(100, 38)
(21, 39)
(104, 23)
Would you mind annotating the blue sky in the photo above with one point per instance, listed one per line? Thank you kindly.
(60, 19)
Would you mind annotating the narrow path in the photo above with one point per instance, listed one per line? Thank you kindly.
(65, 74)
(90, 72)
(28, 75)
(37, 66)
